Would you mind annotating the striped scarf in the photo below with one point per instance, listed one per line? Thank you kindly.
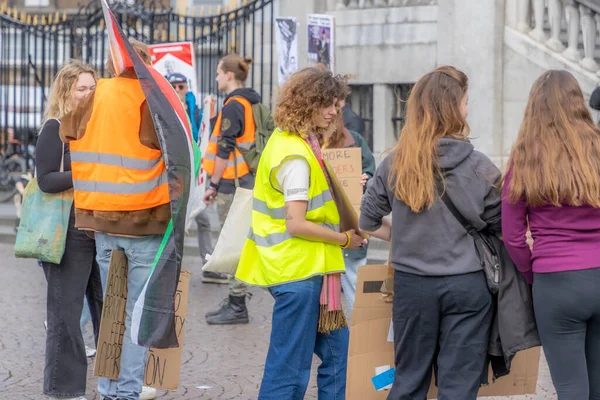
(331, 316)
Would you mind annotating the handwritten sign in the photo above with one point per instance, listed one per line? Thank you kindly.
(347, 166)
(163, 366)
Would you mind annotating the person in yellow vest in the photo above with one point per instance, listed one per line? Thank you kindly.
(294, 247)
(121, 194)
(234, 129)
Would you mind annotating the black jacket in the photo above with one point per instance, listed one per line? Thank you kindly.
(513, 328)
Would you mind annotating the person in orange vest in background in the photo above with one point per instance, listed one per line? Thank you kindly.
(234, 129)
(121, 194)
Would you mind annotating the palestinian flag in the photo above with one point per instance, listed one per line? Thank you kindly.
(153, 319)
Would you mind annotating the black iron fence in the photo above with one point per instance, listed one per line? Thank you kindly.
(33, 48)
(401, 92)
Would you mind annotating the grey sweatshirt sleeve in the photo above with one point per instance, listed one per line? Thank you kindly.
(376, 201)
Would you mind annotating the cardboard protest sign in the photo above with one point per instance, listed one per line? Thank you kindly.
(347, 167)
(371, 349)
(162, 365)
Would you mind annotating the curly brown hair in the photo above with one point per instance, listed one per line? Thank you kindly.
(304, 95)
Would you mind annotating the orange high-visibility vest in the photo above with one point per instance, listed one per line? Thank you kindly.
(112, 170)
(246, 141)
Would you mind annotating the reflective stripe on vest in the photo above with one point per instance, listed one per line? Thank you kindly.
(120, 188)
(277, 238)
(115, 160)
(279, 212)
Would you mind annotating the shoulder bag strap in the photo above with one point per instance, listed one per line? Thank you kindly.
(452, 208)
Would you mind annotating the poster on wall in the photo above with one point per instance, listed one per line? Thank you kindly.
(287, 48)
(176, 58)
(321, 40)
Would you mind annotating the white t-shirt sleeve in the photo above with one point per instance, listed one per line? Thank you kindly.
(293, 178)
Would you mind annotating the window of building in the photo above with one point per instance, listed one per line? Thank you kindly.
(401, 92)
(361, 101)
(37, 3)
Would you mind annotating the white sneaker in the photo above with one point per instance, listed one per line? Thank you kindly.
(89, 352)
(148, 393)
(71, 398)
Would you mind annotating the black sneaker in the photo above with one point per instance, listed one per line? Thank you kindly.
(214, 277)
(234, 312)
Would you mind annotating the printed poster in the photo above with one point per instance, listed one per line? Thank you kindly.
(321, 40)
(287, 48)
(170, 58)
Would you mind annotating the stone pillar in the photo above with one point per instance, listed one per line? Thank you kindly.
(473, 41)
(383, 127)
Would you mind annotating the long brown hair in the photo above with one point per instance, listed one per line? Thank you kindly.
(433, 111)
(304, 95)
(556, 158)
(237, 65)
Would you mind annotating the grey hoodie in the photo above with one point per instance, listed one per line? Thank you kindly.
(433, 242)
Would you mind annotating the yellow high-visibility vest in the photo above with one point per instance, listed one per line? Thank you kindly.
(271, 255)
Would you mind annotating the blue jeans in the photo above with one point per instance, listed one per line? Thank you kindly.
(349, 280)
(294, 339)
(140, 254)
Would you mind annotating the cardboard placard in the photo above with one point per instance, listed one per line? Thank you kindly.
(346, 164)
(162, 365)
(369, 348)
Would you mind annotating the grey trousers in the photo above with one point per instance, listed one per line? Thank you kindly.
(567, 311)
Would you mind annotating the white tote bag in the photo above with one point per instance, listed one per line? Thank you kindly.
(228, 250)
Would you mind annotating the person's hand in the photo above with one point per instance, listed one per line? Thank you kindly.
(364, 179)
(356, 241)
(209, 196)
(211, 101)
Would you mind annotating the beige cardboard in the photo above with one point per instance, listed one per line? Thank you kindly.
(346, 164)
(162, 365)
(369, 348)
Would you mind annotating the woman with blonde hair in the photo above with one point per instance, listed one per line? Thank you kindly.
(295, 245)
(77, 275)
(553, 187)
(442, 307)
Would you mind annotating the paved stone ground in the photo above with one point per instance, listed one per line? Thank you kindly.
(227, 361)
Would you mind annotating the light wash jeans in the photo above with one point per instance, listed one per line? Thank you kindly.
(349, 280)
(85, 316)
(140, 254)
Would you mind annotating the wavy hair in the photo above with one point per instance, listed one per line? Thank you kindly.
(556, 157)
(59, 99)
(304, 95)
(433, 111)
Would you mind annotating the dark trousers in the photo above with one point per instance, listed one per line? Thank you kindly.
(567, 312)
(445, 320)
(76, 276)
